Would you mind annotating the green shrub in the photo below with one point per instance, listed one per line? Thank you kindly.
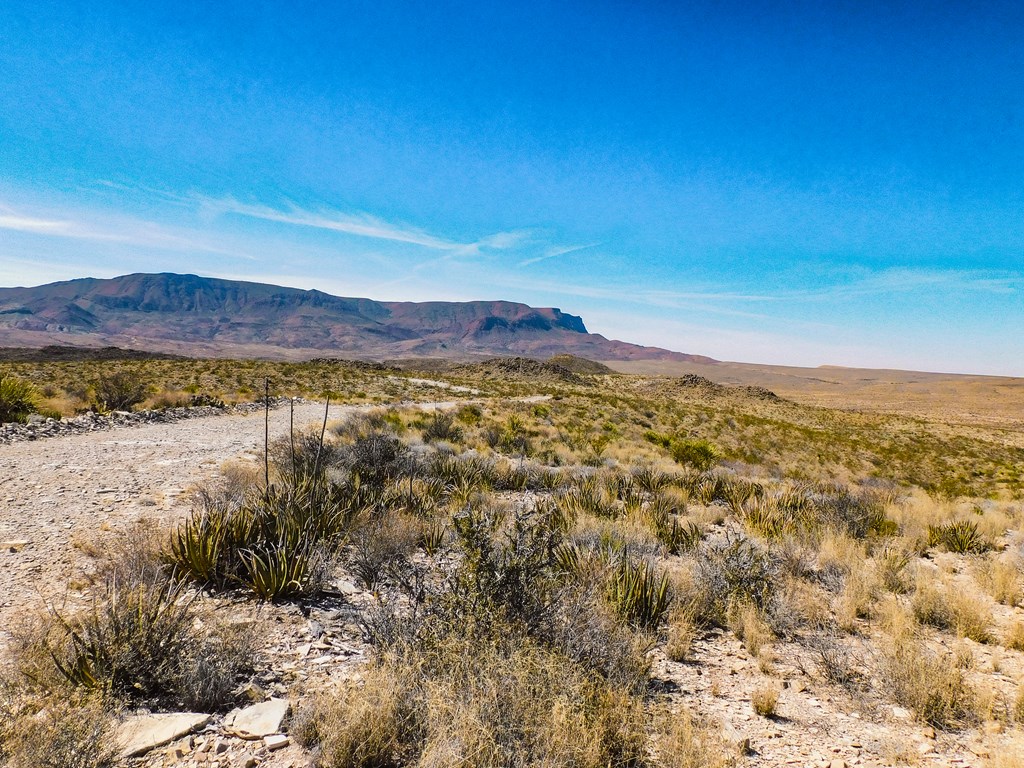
(119, 391)
(18, 399)
(274, 543)
(442, 426)
(960, 536)
(638, 593)
(140, 642)
(699, 454)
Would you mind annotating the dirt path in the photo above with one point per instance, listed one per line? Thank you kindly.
(61, 495)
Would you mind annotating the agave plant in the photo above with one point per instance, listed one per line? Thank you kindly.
(639, 594)
(960, 536)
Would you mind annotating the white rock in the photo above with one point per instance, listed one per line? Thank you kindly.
(139, 734)
(257, 721)
(276, 742)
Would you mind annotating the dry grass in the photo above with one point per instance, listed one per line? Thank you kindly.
(933, 685)
(957, 609)
(1001, 577)
(764, 700)
(682, 631)
(497, 707)
(683, 742)
(56, 731)
(749, 625)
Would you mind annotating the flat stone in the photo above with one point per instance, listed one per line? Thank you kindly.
(14, 545)
(278, 741)
(258, 720)
(141, 733)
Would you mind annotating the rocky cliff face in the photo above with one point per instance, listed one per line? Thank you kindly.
(176, 313)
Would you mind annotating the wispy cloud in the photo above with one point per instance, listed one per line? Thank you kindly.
(100, 228)
(904, 280)
(556, 251)
(360, 225)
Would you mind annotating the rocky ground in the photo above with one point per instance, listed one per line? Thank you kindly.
(63, 497)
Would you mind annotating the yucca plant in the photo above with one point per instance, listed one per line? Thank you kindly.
(585, 497)
(638, 593)
(273, 544)
(18, 399)
(960, 536)
(283, 571)
(765, 517)
(128, 642)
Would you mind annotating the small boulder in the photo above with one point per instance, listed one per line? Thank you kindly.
(141, 733)
(258, 720)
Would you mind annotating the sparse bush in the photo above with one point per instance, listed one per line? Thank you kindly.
(699, 454)
(304, 455)
(70, 730)
(442, 426)
(682, 631)
(462, 704)
(119, 391)
(682, 742)
(764, 700)
(1003, 580)
(733, 571)
(933, 686)
(18, 399)
(954, 610)
(376, 459)
(1013, 638)
(138, 642)
(749, 625)
(382, 546)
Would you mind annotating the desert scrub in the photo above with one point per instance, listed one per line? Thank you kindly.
(732, 571)
(932, 685)
(18, 399)
(276, 542)
(682, 632)
(764, 700)
(952, 609)
(749, 626)
(959, 536)
(465, 703)
(140, 643)
(70, 730)
(681, 741)
(120, 390)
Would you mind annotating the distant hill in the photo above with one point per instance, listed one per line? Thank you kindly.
(187, 314)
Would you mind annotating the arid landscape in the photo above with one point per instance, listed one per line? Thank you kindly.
(511, 385)
(508, 562)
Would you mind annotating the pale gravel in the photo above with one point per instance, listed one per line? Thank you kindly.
(67, 494)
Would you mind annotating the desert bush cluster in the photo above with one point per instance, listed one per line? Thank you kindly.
(527, 565)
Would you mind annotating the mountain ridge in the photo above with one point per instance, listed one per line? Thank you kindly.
(170, 312)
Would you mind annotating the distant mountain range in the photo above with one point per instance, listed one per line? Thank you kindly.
(187, 314)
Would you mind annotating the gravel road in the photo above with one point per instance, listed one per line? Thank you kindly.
(59, 496)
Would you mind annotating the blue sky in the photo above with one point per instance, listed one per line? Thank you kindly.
(826, 183)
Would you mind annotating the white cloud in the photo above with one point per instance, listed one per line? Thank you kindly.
(359, 225)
